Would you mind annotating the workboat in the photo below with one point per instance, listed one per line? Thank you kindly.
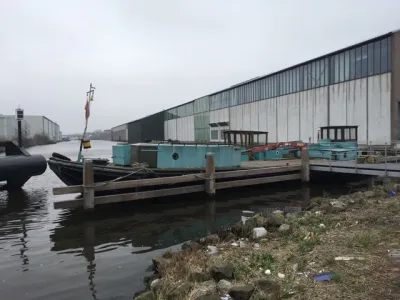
(147, 160)
(336, 143)
(144, 160)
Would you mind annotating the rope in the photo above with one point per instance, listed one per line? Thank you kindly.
(140, 166)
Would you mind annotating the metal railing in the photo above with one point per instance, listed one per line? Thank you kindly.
(373, 154)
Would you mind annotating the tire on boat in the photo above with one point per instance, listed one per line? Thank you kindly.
(60, 156)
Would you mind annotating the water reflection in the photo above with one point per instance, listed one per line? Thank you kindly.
(161, 223)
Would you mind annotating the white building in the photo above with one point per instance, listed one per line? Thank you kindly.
(358, 85)
(31, 126)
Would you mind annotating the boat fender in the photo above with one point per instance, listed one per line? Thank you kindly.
(60, 156)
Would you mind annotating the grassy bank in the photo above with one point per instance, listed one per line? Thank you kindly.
(349, 238)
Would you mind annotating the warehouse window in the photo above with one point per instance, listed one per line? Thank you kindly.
(317, 74)
(371, 59)
(310, 78)
(377, 57)
(347, 65)
(326, 70)
(337, 64)
(352, 64)
(214, 135)
(358, 62)
(305, 77)
(341, 67)
(364, 60)
(269, 87)
(384, 56)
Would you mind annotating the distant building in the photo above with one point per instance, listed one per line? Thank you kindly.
(358, 85)
(31, 126)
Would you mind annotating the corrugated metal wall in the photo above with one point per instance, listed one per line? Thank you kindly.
(364, 102)
(135, 132)
(148, 128)
(350, 87)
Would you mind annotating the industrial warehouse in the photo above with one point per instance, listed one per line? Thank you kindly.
(355, 86)
(31, 126)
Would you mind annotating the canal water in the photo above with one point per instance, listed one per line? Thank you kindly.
(59, 254)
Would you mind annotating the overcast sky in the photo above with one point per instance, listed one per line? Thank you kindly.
(146, 56)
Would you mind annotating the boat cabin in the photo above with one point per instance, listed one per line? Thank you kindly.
(338, 134)
(245, 138)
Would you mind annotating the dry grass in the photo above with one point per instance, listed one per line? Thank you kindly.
(366, 229)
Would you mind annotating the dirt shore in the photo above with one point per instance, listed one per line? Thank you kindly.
(343, 248)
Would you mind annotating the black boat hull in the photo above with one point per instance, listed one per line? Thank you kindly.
(71, 173)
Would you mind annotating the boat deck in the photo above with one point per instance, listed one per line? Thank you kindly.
(389, 169)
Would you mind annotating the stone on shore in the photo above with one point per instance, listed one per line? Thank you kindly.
(222, 270)
(276, 220)
(145, 296)
(224, 286)
(284, 228)
(270, 289)
(241, 292)
(199, 276)
(148, 279)
(191, 246)
(155, 285)
(338, 206)
(212, 250)
(258, 232)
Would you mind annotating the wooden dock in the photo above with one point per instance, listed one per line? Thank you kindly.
(253, 173)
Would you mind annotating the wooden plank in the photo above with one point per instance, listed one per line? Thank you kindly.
(88, 181)
(210, 174)
(174, 179)
(131, 196)
(254, 181)
(256, 171)
(130, 184)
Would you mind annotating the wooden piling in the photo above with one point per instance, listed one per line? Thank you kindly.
(210, 174)
(305, 165)
(88, 184)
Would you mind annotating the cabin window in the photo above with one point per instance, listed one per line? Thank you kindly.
(353, 133)
(339, 134)
(347, 133)
(332, 133)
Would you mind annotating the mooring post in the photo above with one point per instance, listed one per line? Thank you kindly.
(88, 184)
(305, 165)
(210, 174)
